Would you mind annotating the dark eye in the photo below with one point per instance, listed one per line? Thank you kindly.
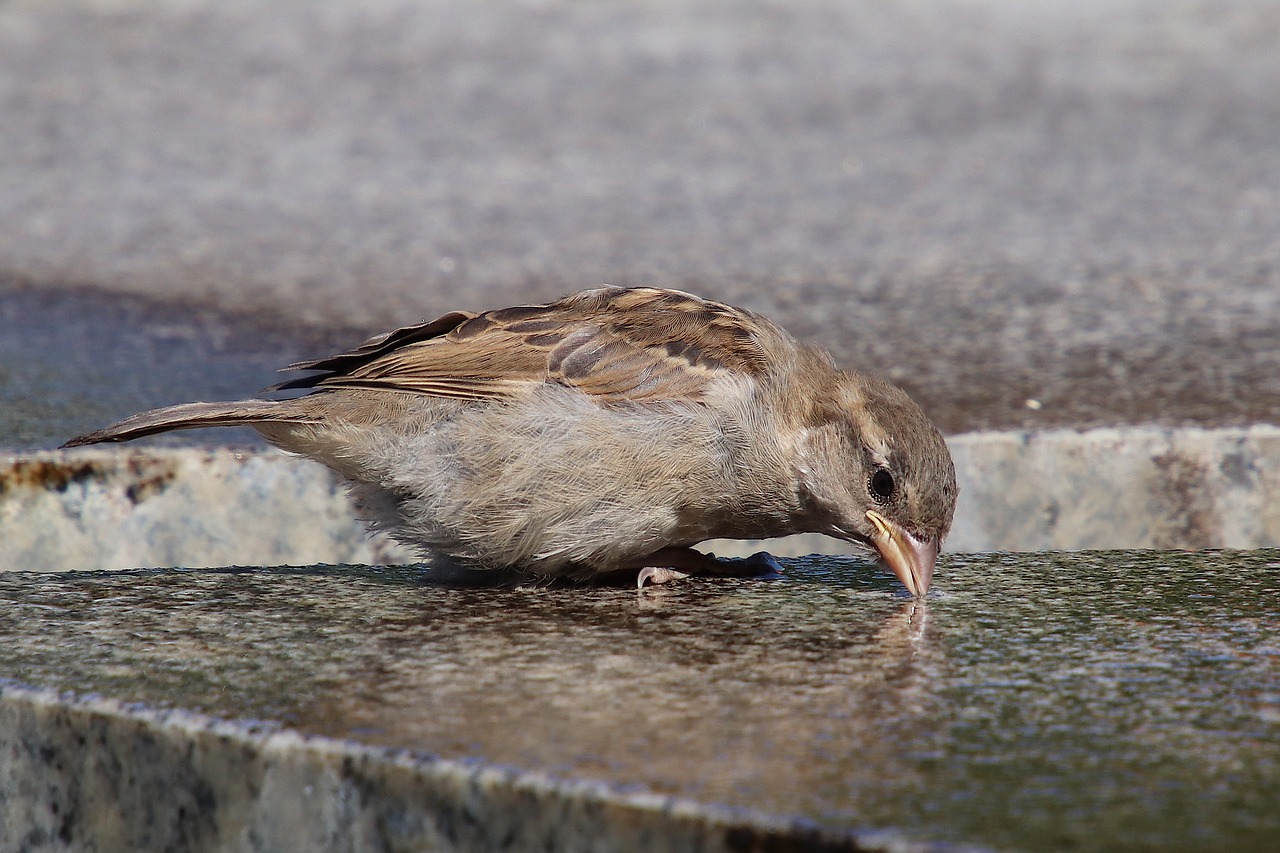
(882, 484)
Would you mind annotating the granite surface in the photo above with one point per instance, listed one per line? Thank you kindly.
(138, 507)
(1118, 488)
(145, 506)
(1075, 202)
(1058, 214)
(1094, 701)
(89, 773)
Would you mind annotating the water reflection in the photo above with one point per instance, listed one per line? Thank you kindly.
(717, 693)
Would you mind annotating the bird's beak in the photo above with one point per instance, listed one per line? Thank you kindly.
(911, 559)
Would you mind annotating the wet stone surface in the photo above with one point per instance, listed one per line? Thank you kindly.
(1121, 700)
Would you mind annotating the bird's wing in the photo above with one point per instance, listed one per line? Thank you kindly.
(639, 344)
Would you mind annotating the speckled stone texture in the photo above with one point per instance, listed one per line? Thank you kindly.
(1096, 701)
(139, 507)
(1118, 488)
(98, 774)
(1106, 488)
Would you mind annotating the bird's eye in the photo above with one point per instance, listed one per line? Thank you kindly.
(882, 484)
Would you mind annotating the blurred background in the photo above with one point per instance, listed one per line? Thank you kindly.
(1061, 213)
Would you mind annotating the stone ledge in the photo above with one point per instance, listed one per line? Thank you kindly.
(1118, 488)
(87, 773)
(157, 507)
(1136, 487)
(1097, 700)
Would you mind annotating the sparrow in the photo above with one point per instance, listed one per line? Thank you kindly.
(607, 431)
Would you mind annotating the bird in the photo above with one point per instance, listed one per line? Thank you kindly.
(605, 432)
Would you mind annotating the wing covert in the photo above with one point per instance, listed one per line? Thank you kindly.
(616, 344)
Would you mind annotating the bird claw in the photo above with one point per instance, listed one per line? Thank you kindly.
(759, 565)
(657, 575)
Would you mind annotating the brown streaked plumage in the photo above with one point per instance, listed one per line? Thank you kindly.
(608, 430)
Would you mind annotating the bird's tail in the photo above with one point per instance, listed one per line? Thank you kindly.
(194, 416)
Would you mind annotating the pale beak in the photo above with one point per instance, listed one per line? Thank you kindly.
(911, 559)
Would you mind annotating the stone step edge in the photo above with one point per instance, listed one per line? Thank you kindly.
(1123, 487)
(89, 771)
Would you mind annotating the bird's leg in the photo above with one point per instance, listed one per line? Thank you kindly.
(670, 564)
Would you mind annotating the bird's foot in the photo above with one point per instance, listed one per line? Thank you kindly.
(761, 564)
(657, 575)
(672, 564)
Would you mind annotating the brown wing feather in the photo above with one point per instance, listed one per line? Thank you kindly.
(371, 350)
(614, 343)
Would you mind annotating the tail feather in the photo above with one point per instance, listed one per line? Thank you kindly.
(192, 416)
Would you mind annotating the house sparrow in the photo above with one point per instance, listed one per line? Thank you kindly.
(607, 431)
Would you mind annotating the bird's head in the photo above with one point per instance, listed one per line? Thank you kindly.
(877, 471)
